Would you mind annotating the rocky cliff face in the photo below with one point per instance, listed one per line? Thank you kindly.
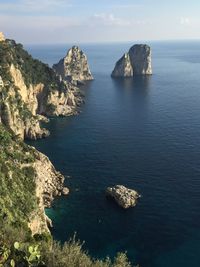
(123, 67)
(140, 56)
(74, 66)
(136, 62)
(30, 89)
(29, 183)
(49, 184)
(17, 117)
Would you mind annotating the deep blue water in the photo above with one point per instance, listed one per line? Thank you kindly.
(143, 133)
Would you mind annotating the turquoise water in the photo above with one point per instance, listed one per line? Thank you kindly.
(143, 133)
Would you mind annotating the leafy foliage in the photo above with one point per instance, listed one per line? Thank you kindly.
(33, 70)
(29, 252)
(17, 179)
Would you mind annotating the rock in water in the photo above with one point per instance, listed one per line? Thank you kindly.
(124, 196)
(74, 67)
(140, 56)
(65, 191)
(136, 62)
(123, 67)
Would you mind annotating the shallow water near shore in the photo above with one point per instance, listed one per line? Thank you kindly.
(143, 133)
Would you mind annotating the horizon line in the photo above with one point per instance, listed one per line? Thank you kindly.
(113, 42)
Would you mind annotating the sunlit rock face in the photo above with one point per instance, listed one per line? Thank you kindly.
(136, 62)
(2, 38)
(74, 66)
(140, 56)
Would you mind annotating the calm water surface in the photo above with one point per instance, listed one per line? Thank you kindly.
(143, 133)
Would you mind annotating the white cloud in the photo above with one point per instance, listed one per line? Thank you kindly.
(185, 21)
(109, 20)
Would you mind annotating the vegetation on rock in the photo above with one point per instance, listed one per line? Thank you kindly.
(20, 197)
(41, 251)
(17, 179)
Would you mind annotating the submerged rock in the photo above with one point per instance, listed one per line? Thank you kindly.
(65, 191)
(136, 62)
(74, 66)
(124, 196)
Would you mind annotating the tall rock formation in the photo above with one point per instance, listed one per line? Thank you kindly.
(74, 66)
(140, 56)
(136, 62)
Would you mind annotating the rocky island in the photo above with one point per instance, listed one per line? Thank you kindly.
(124, 196)
(74, 66)
(136, 62)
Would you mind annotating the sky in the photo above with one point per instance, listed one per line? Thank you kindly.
(97, 21)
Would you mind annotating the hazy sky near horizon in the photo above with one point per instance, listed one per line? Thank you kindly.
(76, 21)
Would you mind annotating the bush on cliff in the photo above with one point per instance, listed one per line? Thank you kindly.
(27, 252)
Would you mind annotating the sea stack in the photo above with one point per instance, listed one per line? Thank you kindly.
(74, 66)
(2, 38)
(136, 62)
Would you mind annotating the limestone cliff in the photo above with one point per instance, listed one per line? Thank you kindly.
(31, 88)
(74, 66)
(136, 62)
(16, 116)
(49, 184)
(29, 183)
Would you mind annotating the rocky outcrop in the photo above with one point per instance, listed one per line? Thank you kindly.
(30, 89)
(49, 184)
(124, 197)
(136, 62)
(16, 116)
(63, 103)
(140, 56)
(74, 66)
(123, 67)
(28, 93)
(2, 38)
(65, 191)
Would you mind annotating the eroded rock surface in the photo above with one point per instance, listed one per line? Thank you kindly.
(74, 66)
(49, 184)
(136, 62)
(30, 88)
(123, 67)
(124, 196)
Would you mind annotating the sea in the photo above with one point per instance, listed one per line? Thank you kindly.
(141, 132)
